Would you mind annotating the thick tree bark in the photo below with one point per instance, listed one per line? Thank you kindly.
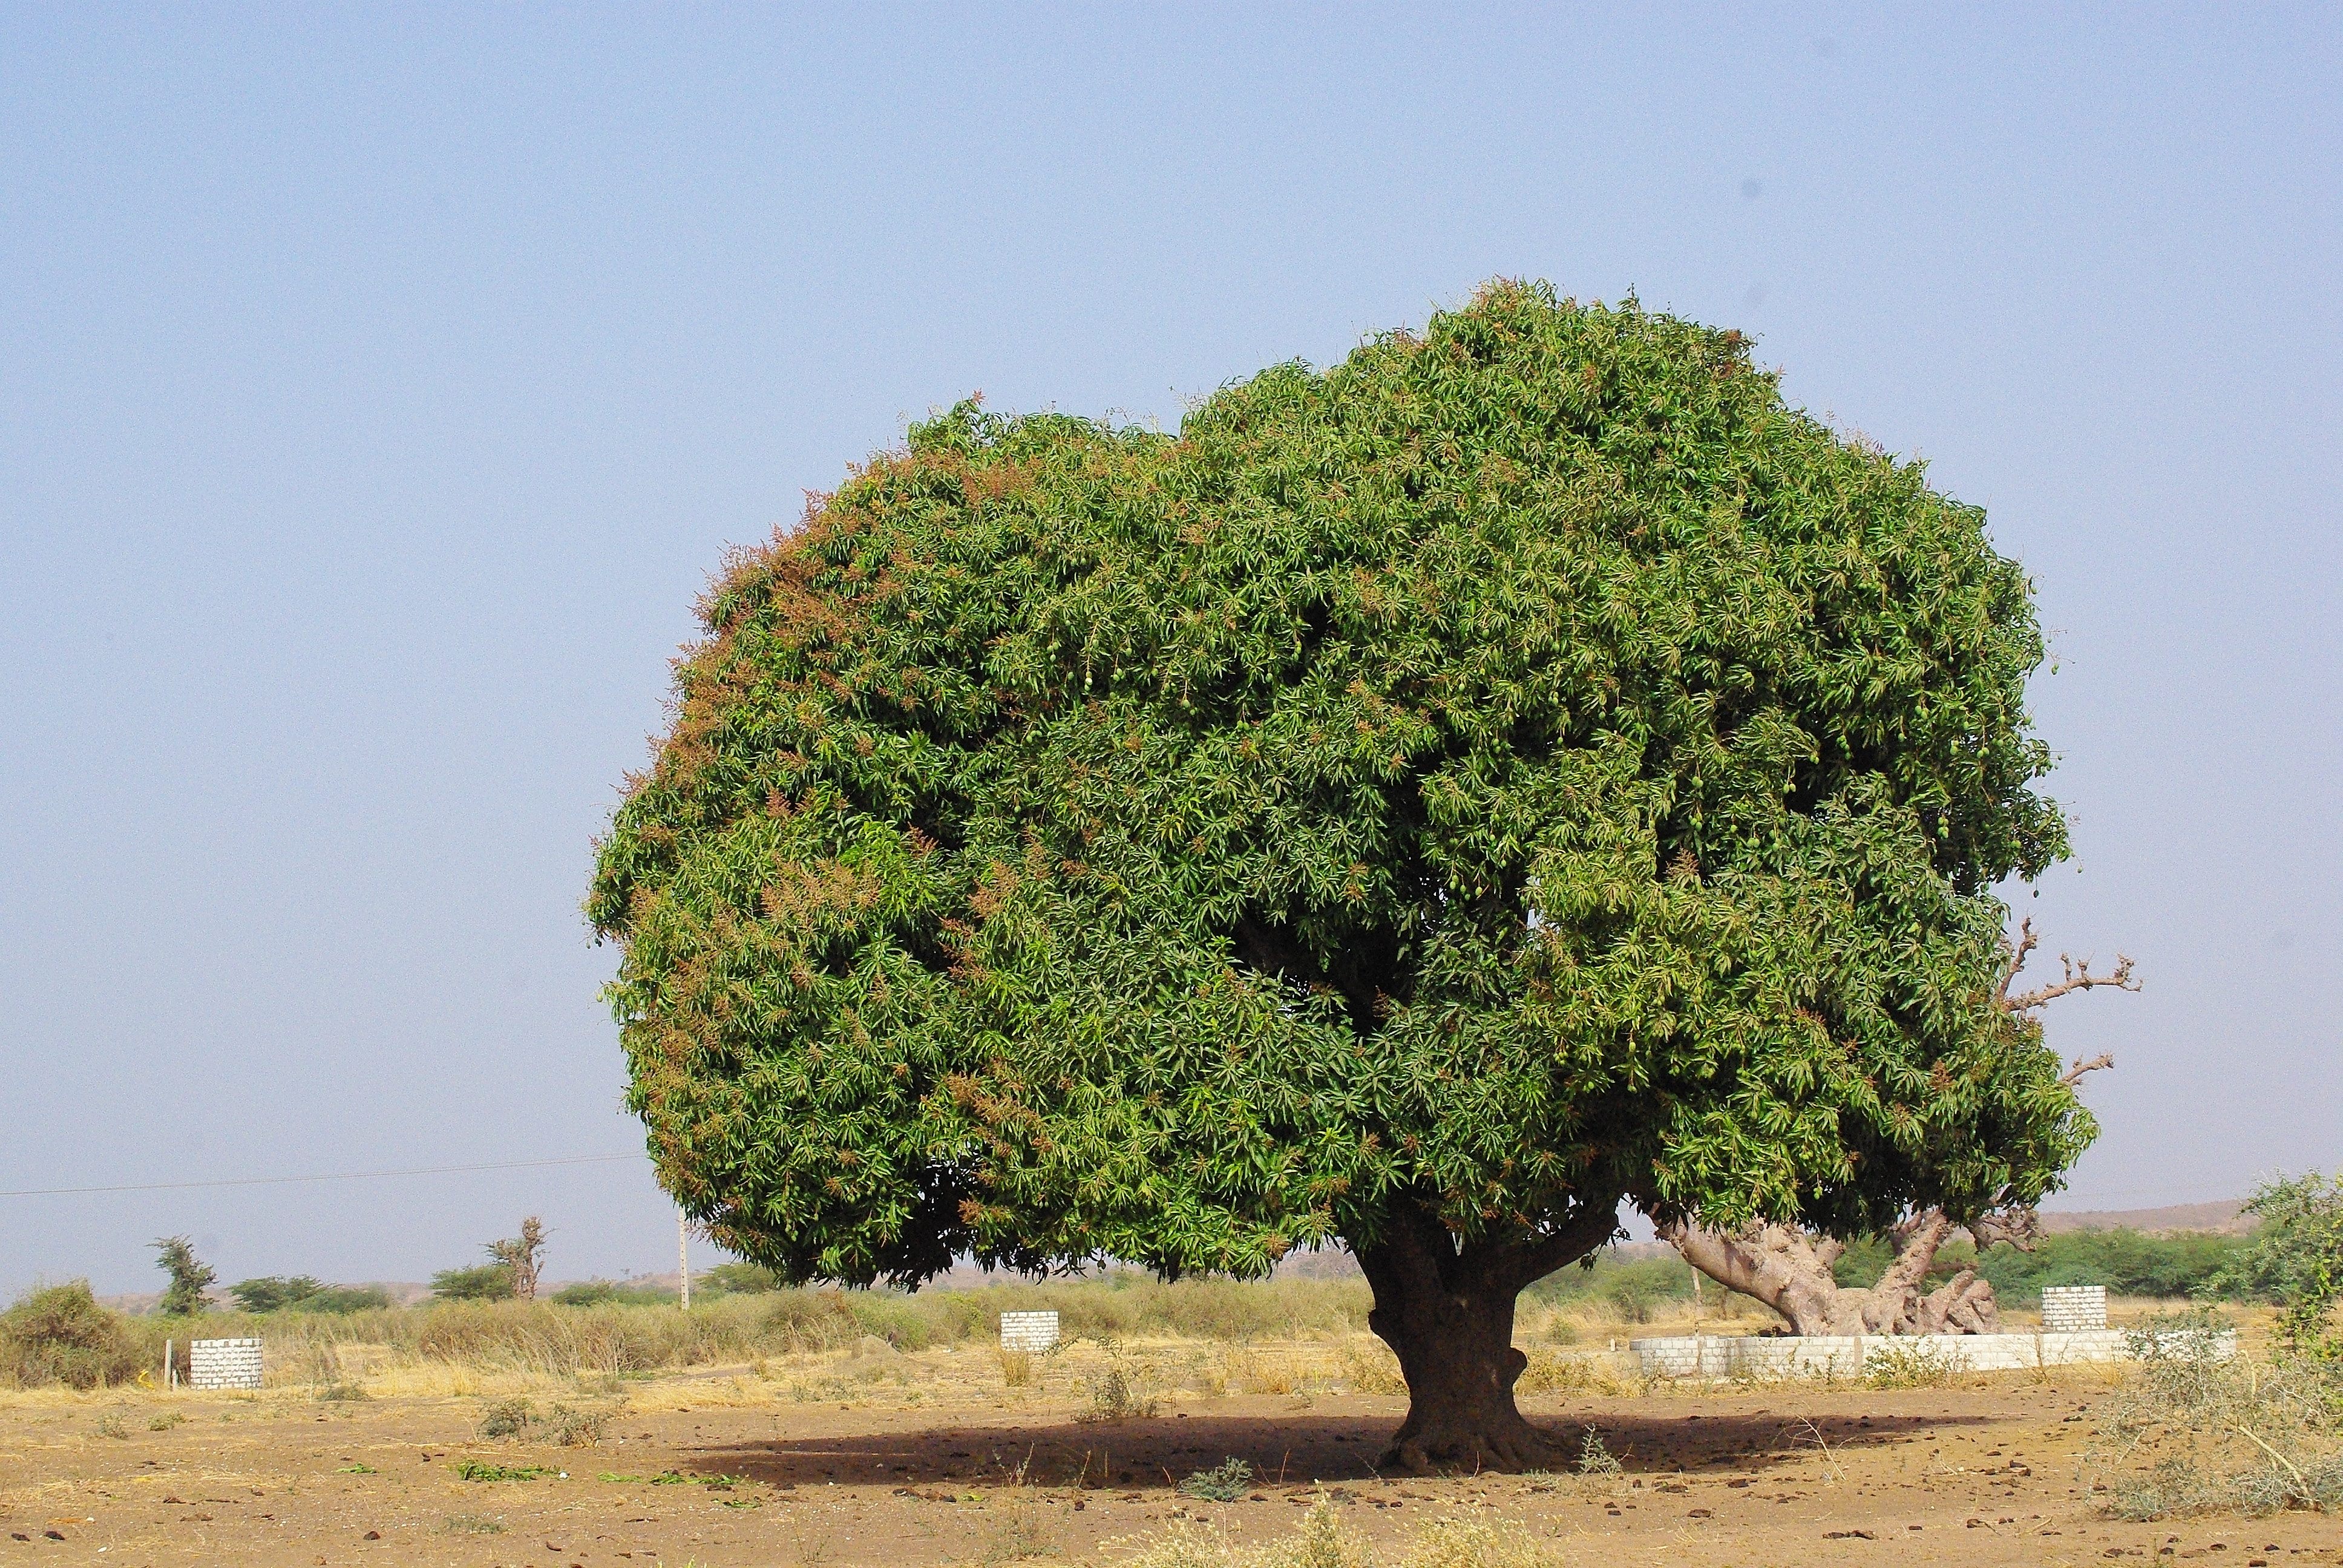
(1447, 1312)
(1790, 1271)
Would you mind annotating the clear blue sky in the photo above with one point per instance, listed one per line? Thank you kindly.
(377, 387)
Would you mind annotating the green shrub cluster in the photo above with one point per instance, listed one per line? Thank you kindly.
(481, 1283)
(2127, 1263)
(2295, 1258)
(1631, 1286)
(59, 1334)
(608, 1292)
(301, 1292)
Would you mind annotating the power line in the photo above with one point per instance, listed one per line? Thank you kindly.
(334, 1176)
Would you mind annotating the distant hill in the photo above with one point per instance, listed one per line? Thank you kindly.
(2226, 1217)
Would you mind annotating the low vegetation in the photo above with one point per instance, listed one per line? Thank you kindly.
(2127, 1263)
(2294, 1260)
(302, 1293)
(59, 1334)
(1322, 1539)
(2198, 1429)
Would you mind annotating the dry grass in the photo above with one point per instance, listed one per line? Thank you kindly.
(2189, 1433)
(1322, 1539)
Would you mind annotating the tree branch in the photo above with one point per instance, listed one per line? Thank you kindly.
(2074, 1074)
(2078, 978)
(1587, 1228)
(2018, 1226)
(2026, 942)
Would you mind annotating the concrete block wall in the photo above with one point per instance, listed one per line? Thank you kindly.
(1032, 1332)
(223, 1363)
(1793, 1355)
(2073, 1309)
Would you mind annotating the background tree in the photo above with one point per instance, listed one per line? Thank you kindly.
(1523, 768)
(275, 1293)
(520, 1255)
(189, 1276)
(2295, 1258)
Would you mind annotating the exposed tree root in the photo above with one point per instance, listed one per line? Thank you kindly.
(1439, 1448)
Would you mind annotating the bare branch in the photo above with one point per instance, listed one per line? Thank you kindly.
(2074, 1074)
(2078, 978)
(2026, 942)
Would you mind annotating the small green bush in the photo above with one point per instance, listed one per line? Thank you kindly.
(736, 1279)
(1224, 1483)
(2295, 1258)
(482, 1282)
(608, 1292)
(1913, 1365)
(61, 1335)
(505, 1418)
(481, 1470)
(342, 1300)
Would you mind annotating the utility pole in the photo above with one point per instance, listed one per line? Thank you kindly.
(683, 1258)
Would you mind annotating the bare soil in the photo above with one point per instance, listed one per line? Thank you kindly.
(935, 1466)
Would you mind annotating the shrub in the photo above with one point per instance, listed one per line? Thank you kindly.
(482, 1282)
(1631, 1287)
(304, 1293)
(2295, 1258)
(273, 1292)
(1914, 1365)
(606, 1292)
(574, 1428)
(738, 1279)
(61, 1335)
(1224, 1483)
(1118, 1393)
(481, 1470)
(505, 1418)
(342, 1300)
(2198, 1431)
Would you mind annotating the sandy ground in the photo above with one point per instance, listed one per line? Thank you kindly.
(940, 1462)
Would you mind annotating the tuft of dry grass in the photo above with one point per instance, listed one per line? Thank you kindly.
(1322, 1539)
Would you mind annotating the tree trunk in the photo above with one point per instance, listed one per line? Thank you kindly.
(1447, 1312)
(1790, 1271)
(1786, 1269)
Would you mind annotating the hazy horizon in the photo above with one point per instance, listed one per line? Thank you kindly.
(378, 389)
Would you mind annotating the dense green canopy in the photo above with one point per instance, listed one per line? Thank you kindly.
(1523, 766)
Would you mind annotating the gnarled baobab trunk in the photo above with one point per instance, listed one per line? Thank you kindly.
(1447, 1312)
(1790, 1271)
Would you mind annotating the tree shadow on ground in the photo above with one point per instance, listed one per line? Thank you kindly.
(1303, 1447)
